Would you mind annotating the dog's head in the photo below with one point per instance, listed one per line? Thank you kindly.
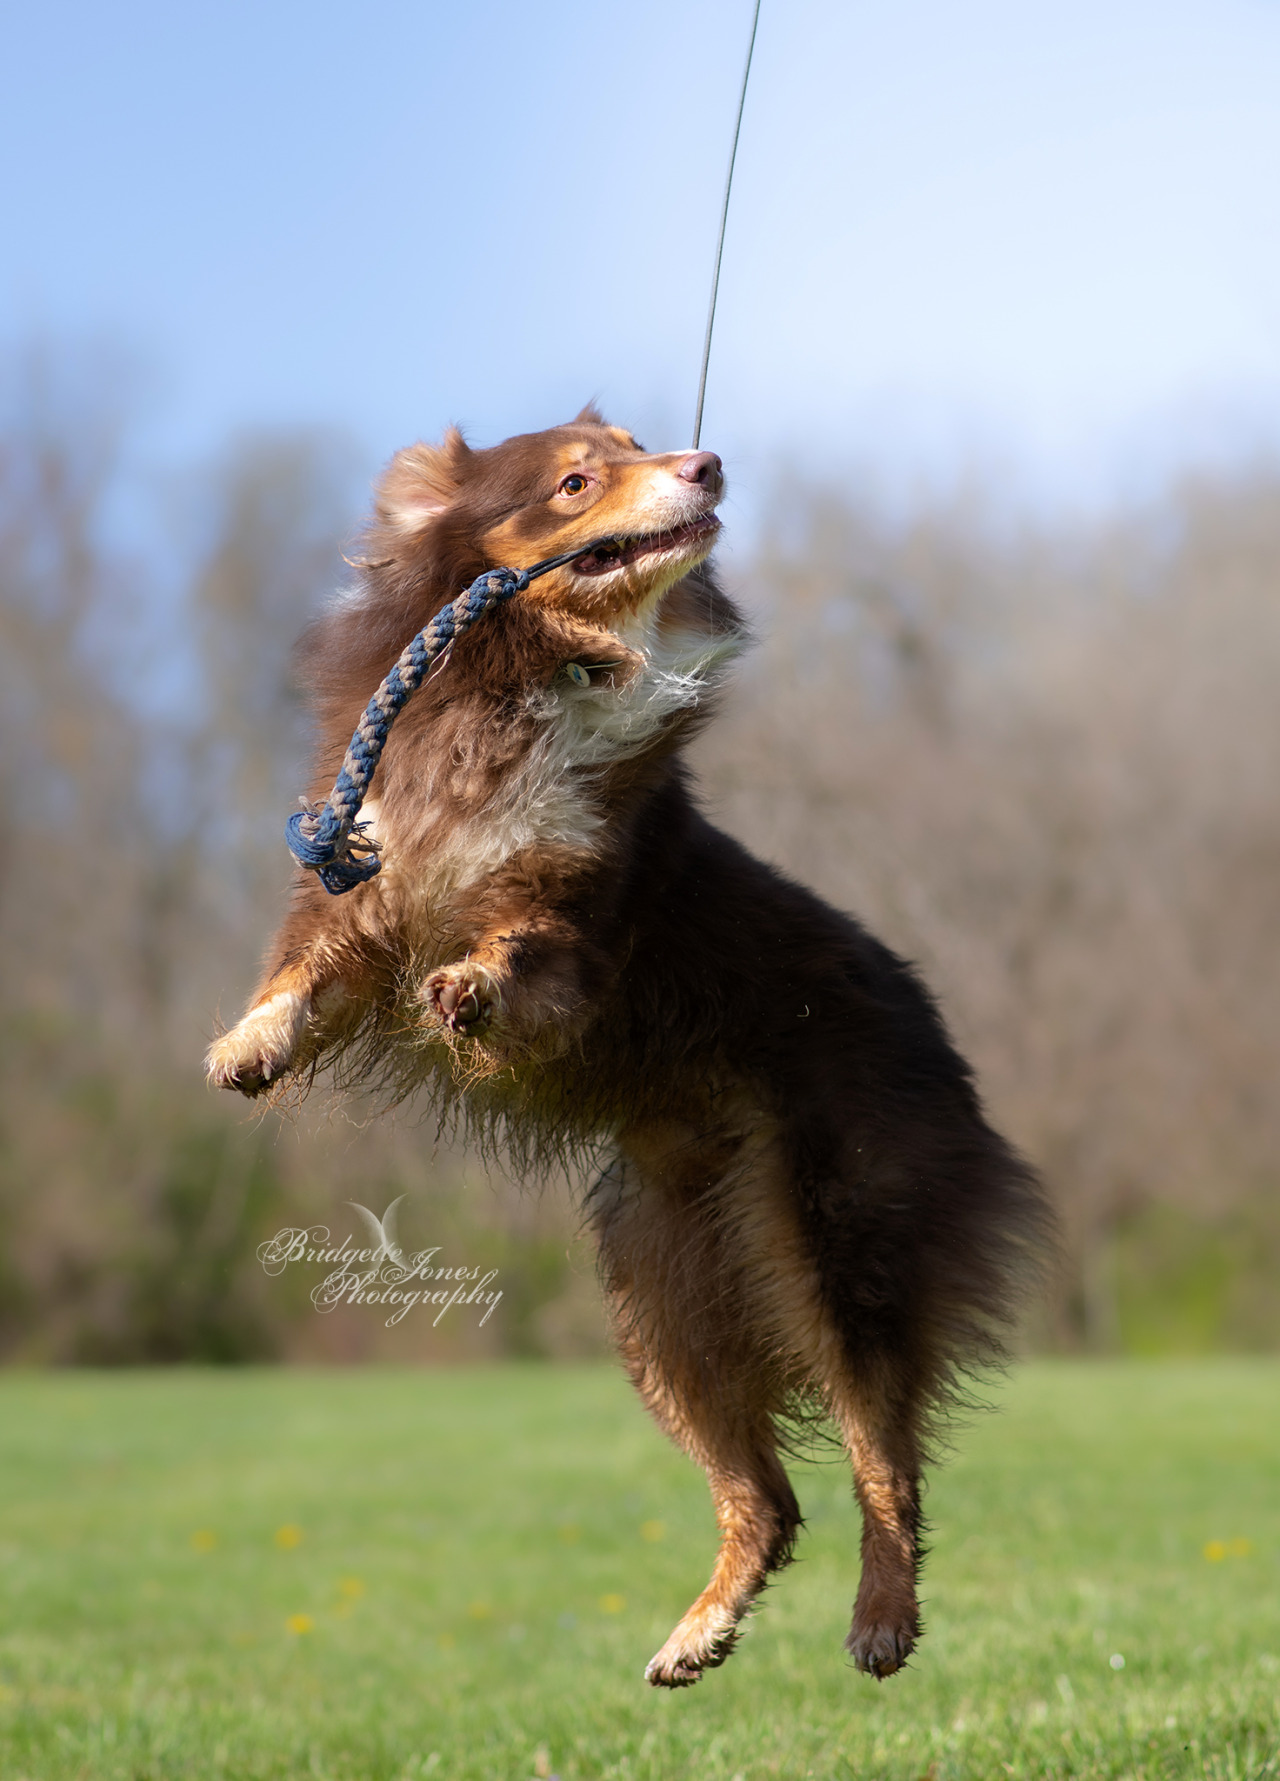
(642, 519)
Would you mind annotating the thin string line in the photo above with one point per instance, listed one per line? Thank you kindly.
(724, 218)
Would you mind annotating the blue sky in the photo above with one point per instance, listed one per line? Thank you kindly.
(1040, 238)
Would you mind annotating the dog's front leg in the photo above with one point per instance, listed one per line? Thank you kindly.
(525, 989)
(316, 981)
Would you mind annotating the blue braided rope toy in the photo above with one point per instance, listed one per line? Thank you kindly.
(326, 838)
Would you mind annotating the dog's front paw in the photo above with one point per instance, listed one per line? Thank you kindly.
(463, 999)
(259, 1048)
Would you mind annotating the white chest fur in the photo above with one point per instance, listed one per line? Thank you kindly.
(553, 796)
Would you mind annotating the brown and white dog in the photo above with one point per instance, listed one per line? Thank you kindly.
(806, 1211)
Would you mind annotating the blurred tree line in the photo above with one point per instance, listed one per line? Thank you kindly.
(1038, 760)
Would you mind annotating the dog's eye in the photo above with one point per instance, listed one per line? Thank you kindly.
(572, 485)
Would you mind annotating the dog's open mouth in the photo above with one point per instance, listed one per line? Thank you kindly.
(616, 553)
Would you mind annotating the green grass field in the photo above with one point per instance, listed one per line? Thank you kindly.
(461, 1574)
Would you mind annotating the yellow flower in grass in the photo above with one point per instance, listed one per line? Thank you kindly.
(300, 1623)
(570, 1533)
(612, 1604)
(480, 1611)
(288, 1536)
(653, 1531)
(204, 1539)
(1216, 1550)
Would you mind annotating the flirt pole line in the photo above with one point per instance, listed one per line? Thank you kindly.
(724, 218)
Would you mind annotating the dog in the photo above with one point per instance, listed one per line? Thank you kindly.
(806, 1213)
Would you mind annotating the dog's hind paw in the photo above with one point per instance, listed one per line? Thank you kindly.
(685, 1656)
(879, 1647)
(259, 1048)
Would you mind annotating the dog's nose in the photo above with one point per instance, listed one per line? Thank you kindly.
(704, 467)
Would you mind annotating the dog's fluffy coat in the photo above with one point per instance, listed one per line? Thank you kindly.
(806, 1210)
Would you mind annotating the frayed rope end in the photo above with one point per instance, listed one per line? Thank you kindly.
(341, 862)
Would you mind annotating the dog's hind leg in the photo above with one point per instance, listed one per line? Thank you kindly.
(880, 1424)
(710, 1384)
(755, 1507)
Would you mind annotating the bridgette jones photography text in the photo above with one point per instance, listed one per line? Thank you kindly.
(380, 1273)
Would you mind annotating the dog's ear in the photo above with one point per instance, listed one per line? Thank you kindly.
(589, 417)
(422, 480)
